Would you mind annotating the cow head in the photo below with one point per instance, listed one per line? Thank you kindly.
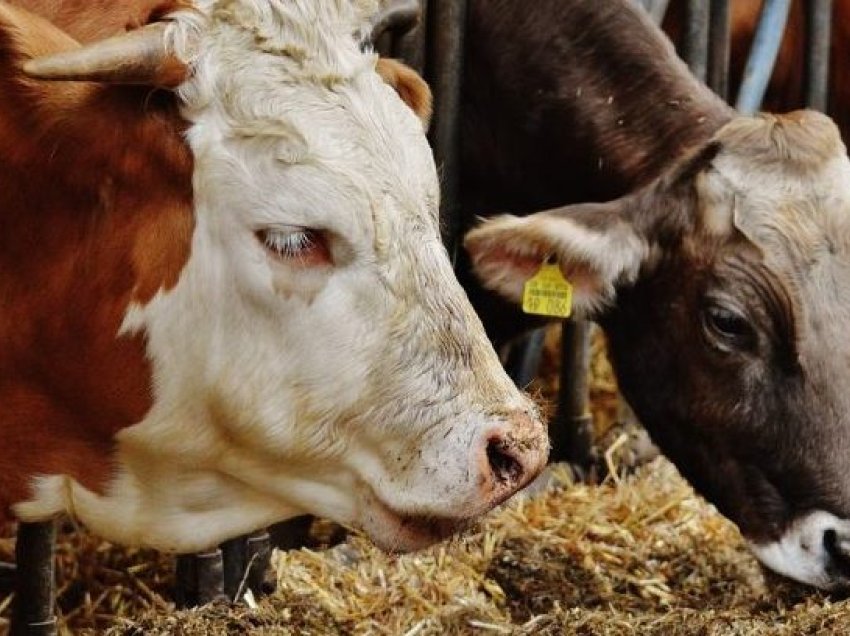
(723, 289)
(316, 354)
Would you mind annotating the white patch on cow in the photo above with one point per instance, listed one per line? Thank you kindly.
(801, 554)
(365, 392)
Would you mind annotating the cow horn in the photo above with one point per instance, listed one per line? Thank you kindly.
(136, 57)
(399, 16)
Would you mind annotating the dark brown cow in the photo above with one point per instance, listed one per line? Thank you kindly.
(720, 282)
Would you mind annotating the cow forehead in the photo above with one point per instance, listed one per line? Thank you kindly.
(289, 83)
(784, 182)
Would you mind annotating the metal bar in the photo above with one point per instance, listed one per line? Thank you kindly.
(8, 576)
(524, 357)
(656, 9)
(765, 48)
(817, 54)
(398, 16)
(410, 47)
(291, 534)
(210, 571)
(199, 578)
(234, 558)
(258, 555)
(695, 49)
(718, 48)
(447, 27)
(571, 431)
(35, 596)
(185, 581)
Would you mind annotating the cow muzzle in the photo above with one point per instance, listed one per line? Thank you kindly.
(814, 550)
(493, 464)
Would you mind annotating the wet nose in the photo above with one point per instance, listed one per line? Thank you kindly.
(512, 456)
(838, 549)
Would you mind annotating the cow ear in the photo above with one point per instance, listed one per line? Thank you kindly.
(595, 245)
(409, 85)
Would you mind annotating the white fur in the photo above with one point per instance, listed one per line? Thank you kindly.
(357, 392)
(800, 553)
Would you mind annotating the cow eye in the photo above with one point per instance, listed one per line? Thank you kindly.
(728, 328)
(296, 245)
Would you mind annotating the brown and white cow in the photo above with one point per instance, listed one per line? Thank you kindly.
(721, 281)
(228, 303)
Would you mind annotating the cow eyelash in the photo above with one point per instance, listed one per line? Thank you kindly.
(301, 245)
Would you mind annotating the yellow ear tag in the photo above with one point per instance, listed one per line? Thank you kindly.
(548, 293)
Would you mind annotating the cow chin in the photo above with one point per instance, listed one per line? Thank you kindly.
(394, 531)
(814, 550)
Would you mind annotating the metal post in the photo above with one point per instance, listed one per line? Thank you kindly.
(817, 54)
(410, 47)
(718, 48)
(258, 554)
(524, 357)
(234, 558)
(210, 569)
(8, 576)
(765, 48)
(695, 50)
(445, 71)
(656, 9)
(571, 431)
(199, 578)
(35, 597)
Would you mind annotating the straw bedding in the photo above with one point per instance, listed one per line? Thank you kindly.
(639, 553)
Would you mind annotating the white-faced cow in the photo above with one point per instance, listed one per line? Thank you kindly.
(227, 303)
(721, 281)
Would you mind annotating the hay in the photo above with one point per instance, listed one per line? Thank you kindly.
(639, 553)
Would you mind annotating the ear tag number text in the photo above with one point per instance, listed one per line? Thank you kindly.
(548, 293)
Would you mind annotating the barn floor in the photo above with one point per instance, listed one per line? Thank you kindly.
(637, 554)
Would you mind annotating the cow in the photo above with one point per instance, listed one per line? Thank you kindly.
(225, 301)
(712, 248)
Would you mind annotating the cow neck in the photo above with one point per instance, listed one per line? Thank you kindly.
(589, 101)
(95, 214)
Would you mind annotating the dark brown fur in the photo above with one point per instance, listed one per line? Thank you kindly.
(584, 100)
(574, 101)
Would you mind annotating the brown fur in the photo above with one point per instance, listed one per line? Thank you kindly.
(95, 213)
(409, 85)
(583, 100)
(575, 101)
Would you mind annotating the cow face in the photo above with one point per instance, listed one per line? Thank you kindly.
(317, 354)
(723, 290)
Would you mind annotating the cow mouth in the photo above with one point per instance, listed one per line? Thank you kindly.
(395, 531)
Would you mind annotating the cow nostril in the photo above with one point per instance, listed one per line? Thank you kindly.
(838, 550)
(506, 468)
